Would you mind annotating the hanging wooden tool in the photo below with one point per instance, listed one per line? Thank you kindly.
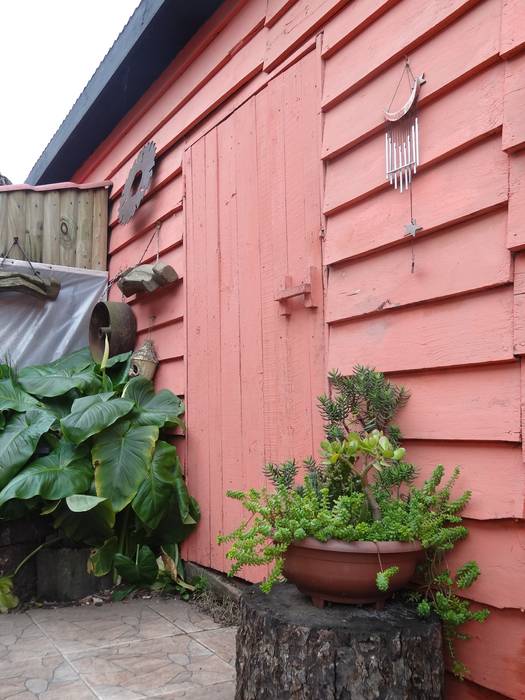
(146, 278)
(402, 135)
(33, 284)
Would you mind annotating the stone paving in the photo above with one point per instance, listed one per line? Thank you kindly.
(118, 651)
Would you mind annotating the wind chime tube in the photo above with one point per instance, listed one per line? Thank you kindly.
(406, 164)
(414, 158)
(386, 157)
(394, 150)
(417, 142)
(400, 171)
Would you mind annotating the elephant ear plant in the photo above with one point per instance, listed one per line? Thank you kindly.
(362, 489)
(88, 448)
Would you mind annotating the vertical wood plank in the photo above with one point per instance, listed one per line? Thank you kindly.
(213, 320)
(16, 222)
(51, 237)
(251, 356)
(4, 235)
(274, 260)
(231, 411)
(34, 225)
(68, 228)
(198, 348)
(99, 247)
(85, 229)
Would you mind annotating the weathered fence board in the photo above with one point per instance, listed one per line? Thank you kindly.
(62, 224)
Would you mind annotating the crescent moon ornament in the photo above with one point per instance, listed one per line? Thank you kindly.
(402, 135)
(137, 183)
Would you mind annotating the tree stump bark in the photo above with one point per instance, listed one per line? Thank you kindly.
(289, 650)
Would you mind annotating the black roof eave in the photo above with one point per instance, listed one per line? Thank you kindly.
(154, 35)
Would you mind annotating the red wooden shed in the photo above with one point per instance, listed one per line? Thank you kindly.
(268, 121)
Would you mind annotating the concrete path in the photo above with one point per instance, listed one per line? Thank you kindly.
(118, 651)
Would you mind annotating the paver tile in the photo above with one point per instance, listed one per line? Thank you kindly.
(219, 691)
(48, 678)
(84, 628)
(186, 616)
(156, 667)
(221, 641)
(21, 639)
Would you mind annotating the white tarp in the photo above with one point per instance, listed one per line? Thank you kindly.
(36, 331)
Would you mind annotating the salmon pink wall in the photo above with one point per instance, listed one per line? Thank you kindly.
(452, 329)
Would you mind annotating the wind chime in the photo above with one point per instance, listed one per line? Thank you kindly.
(402, 143)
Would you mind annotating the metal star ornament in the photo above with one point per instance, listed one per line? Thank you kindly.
(412, 228)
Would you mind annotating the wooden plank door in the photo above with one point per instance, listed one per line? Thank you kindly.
(255, 363)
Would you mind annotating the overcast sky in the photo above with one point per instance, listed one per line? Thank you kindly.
(49, 51)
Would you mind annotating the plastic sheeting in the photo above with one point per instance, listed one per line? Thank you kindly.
(36, 331)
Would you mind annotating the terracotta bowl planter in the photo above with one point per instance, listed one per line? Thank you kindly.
(345, 572)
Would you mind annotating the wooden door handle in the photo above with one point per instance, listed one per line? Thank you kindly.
(289, 291)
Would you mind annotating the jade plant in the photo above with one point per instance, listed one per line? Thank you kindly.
(362, 488)
(88, 448)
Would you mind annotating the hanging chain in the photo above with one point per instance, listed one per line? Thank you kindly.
(115, 279)
(16, 244)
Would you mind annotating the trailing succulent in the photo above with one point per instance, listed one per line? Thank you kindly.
(362, 489)
(85, 446)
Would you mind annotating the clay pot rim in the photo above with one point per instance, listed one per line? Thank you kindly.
(360, 546)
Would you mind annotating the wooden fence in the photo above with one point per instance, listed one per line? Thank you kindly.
(62, 224)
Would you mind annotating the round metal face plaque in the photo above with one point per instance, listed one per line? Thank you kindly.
(138, 182)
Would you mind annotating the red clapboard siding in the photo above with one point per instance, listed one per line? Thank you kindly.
(473, 181)
(477, 107)
(181, 80)
(516, 220)
(302, 19)
(478, 403)
(170, 341)
(465, 690)
(350, 21)
(494, 653)
(442, 267)
(477, 328)
(469, 43)
(499, 549)
(493, 472)
(170, 236)
(165, 202)
(513, 122)
(276, 9)
(512, 26)
(406, 25)
(171, 374)
(163, 306)
(131, 254)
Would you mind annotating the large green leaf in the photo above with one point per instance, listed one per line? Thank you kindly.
(8, 599)
(76, 360)
(153, 496)
(90, 418)
(65, 471)
(14, 398)
(163, 408)
(91, 527)
(18, 441)
(81, 502)
(101, 559)
(121, 457)
(49, 380)
(84, 402)
(141, 571)
(171, 528)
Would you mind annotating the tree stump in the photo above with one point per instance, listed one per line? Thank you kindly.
(289, 650)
